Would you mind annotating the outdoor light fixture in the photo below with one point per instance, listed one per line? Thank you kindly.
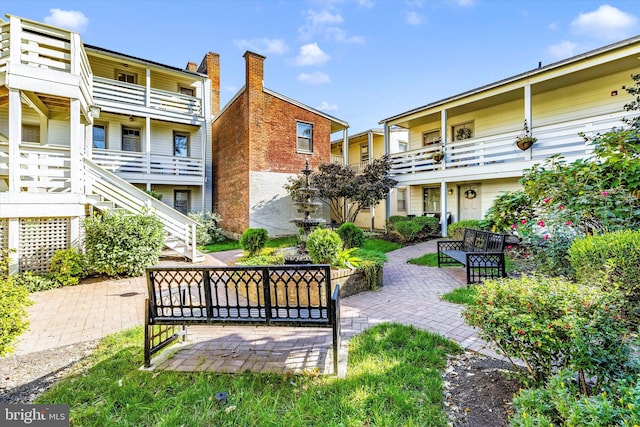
(131, 118)
(450, 191)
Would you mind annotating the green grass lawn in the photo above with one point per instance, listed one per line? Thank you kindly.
(394, 379)
(466, 295)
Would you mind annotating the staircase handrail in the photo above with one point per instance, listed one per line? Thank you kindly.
(124, 194)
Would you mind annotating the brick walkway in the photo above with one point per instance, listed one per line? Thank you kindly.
(410, 295)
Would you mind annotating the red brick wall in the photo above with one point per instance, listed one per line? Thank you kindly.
(274, 137)
(258, 133)
(231, 166)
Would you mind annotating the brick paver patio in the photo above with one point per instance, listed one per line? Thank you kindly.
(410, 295)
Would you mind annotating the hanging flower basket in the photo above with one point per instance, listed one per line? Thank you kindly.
(524, 141)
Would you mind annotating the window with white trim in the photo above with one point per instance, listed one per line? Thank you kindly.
(99, 136)
(431, 137)
(304, 137)
(123, 76)
(401, 197)
(180, 144)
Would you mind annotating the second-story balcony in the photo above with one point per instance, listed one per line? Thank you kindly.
(497, 156)
(142, 167)
(127, 98)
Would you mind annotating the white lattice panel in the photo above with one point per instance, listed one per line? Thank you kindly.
(39, 239)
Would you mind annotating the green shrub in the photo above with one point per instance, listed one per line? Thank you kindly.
(409, 230)
(614, 258)
(153, 193)
(118, 244)
(559, 403)
(13, 302)
(35, 282)
(456, 230)
(551, 323)
(253, 240)
(351, 235)
(68, 267)
(324, 246)
(429, 225)
(207, 231)
(347, 258)
(393, 219)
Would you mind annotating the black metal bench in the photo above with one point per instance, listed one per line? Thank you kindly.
(292, 295)
(481, 252)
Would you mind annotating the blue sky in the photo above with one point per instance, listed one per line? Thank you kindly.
(360, 60)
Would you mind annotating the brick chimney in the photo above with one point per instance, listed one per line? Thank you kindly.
(210, 66)
(191, 66)
(254, 71)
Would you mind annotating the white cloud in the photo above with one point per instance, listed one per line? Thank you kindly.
(326, 25)
(315, 78)
(607, 22)
(69, 19)
(325, 106)
(563, 50)
(311, 54)
(553, 26)
(230, 89)
(365, 3)
(414, 3)
(263, 45)
(339, 35)
(413, 18)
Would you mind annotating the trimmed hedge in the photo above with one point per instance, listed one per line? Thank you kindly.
(351, 235)
(613, 258)
(253, 240)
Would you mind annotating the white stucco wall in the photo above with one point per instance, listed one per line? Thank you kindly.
(270, 206)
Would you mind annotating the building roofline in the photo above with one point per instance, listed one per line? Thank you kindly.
(306, 107)
(540, 70)
(98, 49)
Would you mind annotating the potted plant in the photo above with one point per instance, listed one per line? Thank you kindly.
(437, 156)
(525, 140)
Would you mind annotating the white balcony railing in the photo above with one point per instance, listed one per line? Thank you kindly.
(31, 45)
(560, 138)
(126, 162)
(118, 94)
(42, 169)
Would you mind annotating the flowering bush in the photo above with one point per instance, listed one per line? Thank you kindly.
(552, 323)
(547, 236)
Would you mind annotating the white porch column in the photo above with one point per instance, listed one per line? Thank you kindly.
(15, 136)
(443, 136)
(527, 115)
(147, 146)
(387, 149)
(443, 208)
(345, 152)
(372, 209)
(443, 184)
(75, 144)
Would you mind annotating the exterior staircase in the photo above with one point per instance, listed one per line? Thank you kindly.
(107, 191)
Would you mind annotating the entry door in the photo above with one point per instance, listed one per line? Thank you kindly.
(181, 201)
(469, 202)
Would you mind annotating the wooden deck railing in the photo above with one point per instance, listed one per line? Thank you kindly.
(560, 138)
(118, 94)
